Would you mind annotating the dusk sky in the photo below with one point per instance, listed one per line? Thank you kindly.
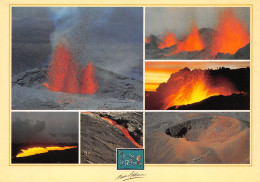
(159, 72)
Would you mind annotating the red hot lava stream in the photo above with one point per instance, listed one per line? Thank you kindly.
(121, 128)
(124, 131)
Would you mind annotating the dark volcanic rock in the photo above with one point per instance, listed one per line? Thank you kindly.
(243, 53)
(233, 102)
(99, 139)
(154, 42)
(240, 78)
(189, 129)
(224, 56)
(31, 78)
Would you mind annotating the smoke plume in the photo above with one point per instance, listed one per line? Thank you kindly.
(109, 37)
(179, 19)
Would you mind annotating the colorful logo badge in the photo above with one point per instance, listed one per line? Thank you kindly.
(130, 159)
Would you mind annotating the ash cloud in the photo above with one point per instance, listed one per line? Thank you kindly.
(25, 130)
(108, 37)
(48, 128)
(179, 20)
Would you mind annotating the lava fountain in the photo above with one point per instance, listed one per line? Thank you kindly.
(65, 75)
(231, 34)
(193, 42)
(187, 87)
(40, 150)
(89, 84)
(167, 41)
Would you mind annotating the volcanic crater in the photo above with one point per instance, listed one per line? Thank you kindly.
(190, 130)
(205, 139)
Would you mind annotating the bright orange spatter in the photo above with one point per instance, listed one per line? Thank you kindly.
(231, 34)
(191, 43)
(167, 41)
(89, 84)
(40, 150)
(65, 75)
(147, 40)
(187, 87)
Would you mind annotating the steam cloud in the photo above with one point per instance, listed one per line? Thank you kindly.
(108, 37)
(54, 128)
(25, 130)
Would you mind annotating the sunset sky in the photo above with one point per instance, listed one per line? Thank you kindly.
(159, 72)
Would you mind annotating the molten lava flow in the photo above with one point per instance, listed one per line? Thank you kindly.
(63, 74)
(89, 84)
(187, 87)
(167, 41)
(191, 43)
(124, 131)
(40, 150)
(231, 34)
(147, 40)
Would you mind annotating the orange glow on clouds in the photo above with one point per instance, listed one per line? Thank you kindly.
(159, 72)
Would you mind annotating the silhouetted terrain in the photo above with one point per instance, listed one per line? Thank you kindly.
(237, 101)
(239, 78)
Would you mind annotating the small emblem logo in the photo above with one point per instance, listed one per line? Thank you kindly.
(130, 159)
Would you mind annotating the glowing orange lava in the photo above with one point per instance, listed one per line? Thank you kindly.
(167, 41)
(187, 87)
(65, 75)
(89, 84)
(147, 40)
(231, 34)
(40, 150)
(124, 131)
(191, 43)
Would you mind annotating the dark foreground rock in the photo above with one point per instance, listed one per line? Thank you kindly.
(232, 102)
